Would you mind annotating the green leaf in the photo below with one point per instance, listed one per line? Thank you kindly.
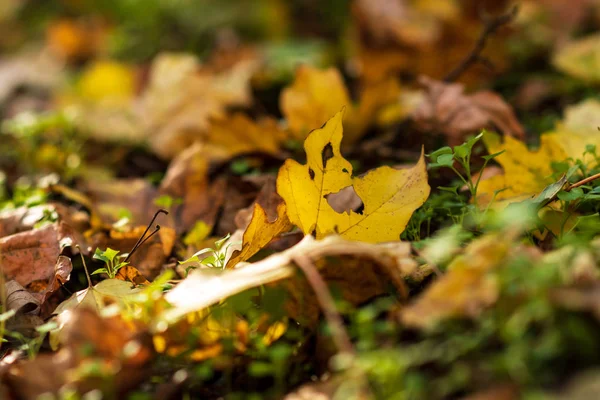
(571, 195)
(106, 255)
(444, 150)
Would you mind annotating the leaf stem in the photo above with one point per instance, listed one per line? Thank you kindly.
(583, 182)
(338, 332)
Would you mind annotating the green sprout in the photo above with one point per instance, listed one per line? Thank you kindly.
(111, 260)
(210, 257)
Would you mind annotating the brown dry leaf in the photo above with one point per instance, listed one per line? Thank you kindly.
(117, 347)
(466, 289)
(181, 99)
(187, 179)
(423, 37)
(447, 109)
(109, 198)
(416, 23)
(19, 299)
(21, 219)
(31, 256)
(131, 274)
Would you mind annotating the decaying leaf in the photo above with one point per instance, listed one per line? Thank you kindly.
(31, 256)
(187, 180)
(389, 196)
(96, 297)
(181, 99)
(465, 290)
(96, 349)
(149, 258)
(447, 109)
(260, 232)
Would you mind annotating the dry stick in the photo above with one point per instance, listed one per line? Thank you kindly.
(491, 26)
(583, 182)
(338, 333)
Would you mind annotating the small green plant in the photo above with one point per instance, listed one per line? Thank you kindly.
(112, 262)
(448, 156)
(210, 257)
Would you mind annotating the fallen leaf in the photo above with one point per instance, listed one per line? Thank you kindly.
(260, 232)
(181, 99)
(107, 82)
(389, 196)
(466, 289)
(108, 199)
(447, 109)
(149, 258)
(526, 173)
(19, 299)
(315, 95)
(187, 179)
(312, 99)
(75, 40)
(36, 68)
(237, 134)
(96, 350)
(31, 256)
(361, 271)
(580, 58)
(105, 292)
(578, 129)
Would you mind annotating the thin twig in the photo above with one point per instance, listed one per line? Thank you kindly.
(583, 182)
(142, 238)
(338, 332)
(491, 26)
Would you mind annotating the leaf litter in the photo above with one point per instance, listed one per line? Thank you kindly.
(388, 199)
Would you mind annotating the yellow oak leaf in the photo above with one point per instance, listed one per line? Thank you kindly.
(526, 173)
(390, 196)
(316, 95)
(260, 232)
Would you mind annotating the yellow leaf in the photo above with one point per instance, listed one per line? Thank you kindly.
(389, 196)
(578, 129)
(581, 58)
(526, 172)
(260, 232)
(107, 81)
(314, 96)
(466, 289)
(238, 134)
